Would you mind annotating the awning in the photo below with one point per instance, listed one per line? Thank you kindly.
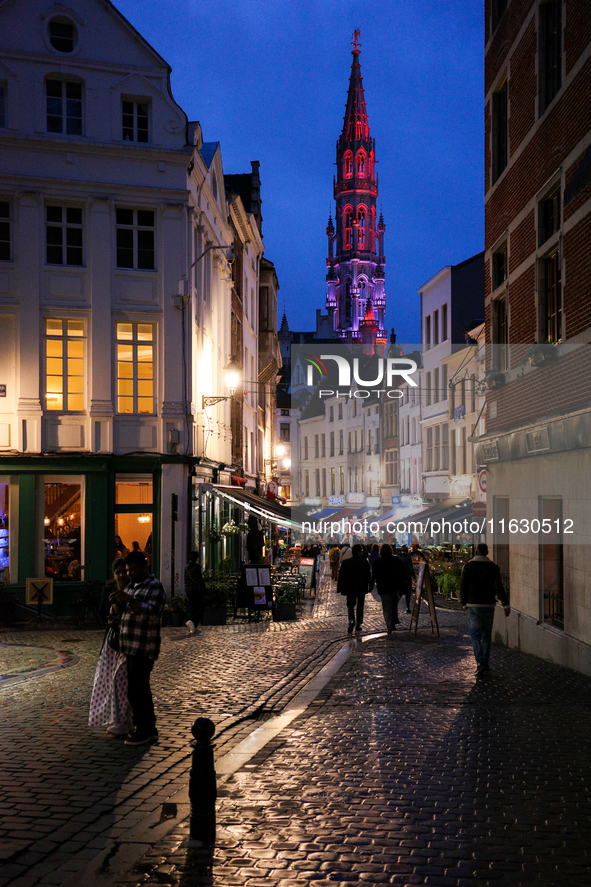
(320, 515)
(266, 508)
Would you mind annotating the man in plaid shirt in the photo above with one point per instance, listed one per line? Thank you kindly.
(139, 639)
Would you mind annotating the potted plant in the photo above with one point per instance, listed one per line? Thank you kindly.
(542, 353)
(178, 609)
(217, 595)
(493, 378)
(214, 535)
(284, 606)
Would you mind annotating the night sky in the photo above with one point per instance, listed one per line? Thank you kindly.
(269, 81)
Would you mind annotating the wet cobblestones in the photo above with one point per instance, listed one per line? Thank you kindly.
(403, 770)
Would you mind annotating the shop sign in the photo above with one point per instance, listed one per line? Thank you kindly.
(309, 500)
(396, 500)
(373, 502)
(460, 485)
(334, 501)
(355, 498)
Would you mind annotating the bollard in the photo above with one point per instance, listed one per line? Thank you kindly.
(202, 783)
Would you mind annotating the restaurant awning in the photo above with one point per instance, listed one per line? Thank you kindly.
(265, 508)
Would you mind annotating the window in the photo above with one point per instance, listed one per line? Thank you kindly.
(341, 443)
(436, 396)
(428, 387)
(348, 219)
(305, 448)
(361, 164)
(501, 331)
(332, 482)
(62, 527)
(391, 463)
(437, 447)
(340, 411)
(317, 482)
(499, 266)
(349, 443)
(323, 445)
(550, 289)
(369, 443)
(341, 480)
(64, 364)
(324, 482)
(316, 447)
(428, 331)
(135, 238)
(332, 443)
(8, 533)
(498, 11)
(64, 106)
(550, 559)
(284, 431)
(548, 216)
(134, 512)
(436, 327)
(499, 131)
(550, 51)
(444, 382)
(306, 483)
(429, 449)
(462, 450)
(134, 120)
(445, 447)
(63, 235)
(4, 231)
(135, 368)
(452, 450)
(348, 165)
(331, 414)
(361, 227)
(63, 35)
(285, 412)
(2, 106)
(444, 334)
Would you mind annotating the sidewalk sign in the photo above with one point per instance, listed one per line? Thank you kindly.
(254, 589)
(308, 570)
(423, 589)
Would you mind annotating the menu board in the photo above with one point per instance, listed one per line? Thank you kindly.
(255, 587)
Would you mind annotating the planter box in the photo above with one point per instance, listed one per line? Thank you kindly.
(284, 612)
(214, 616)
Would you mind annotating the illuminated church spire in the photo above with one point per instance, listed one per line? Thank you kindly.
(355, 261)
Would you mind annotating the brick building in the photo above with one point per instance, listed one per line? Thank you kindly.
(537, 449)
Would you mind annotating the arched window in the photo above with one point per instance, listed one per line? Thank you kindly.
(361, 226)
(361, 164)
(348, 165)
(358, 130)
(372, 230)
(348, 227)
(362, 290)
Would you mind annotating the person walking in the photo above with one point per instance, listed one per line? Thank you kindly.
(108, 703)
(335, 559)
(142, 604)
(355, 582)
(195, 591)
(390, 576)
(407, 563)
(480, 586)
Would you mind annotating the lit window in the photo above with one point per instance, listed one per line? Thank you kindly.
(361, 164)
(361, 227)
(64, 364)
(63, 235)
(134, 121)
(4, 231)
(348, 218)
(348, 165)
(63, 527)
(135, 238)
(64, 107)
(135, 368)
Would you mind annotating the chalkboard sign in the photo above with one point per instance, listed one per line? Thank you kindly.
(308, 570)
(423, 589)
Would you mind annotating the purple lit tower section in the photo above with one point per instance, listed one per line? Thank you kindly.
(356, 297)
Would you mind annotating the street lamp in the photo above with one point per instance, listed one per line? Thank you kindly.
(232, 374)
(279, 454)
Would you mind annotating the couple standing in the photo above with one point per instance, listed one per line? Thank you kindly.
(356, 578)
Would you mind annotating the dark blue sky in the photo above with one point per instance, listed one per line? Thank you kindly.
(269, 81)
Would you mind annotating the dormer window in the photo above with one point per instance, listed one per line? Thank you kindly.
(135, 120)
(63, 35)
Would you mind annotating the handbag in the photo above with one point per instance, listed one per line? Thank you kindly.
(113, 638)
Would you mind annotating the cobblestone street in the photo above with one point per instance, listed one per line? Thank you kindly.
(399, 768)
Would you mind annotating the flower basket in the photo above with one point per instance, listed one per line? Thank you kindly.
(494, 379)
(540, 354)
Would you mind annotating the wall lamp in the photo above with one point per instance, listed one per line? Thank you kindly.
(232, 373)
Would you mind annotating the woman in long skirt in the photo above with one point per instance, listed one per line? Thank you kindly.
(108, 705)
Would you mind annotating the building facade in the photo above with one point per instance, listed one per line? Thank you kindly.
(537, 448)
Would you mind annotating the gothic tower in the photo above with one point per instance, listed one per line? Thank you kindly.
(356, 298)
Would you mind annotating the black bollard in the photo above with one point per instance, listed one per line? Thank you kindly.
(202, 783)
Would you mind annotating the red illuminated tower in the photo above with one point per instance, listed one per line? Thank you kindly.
(356, 297)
